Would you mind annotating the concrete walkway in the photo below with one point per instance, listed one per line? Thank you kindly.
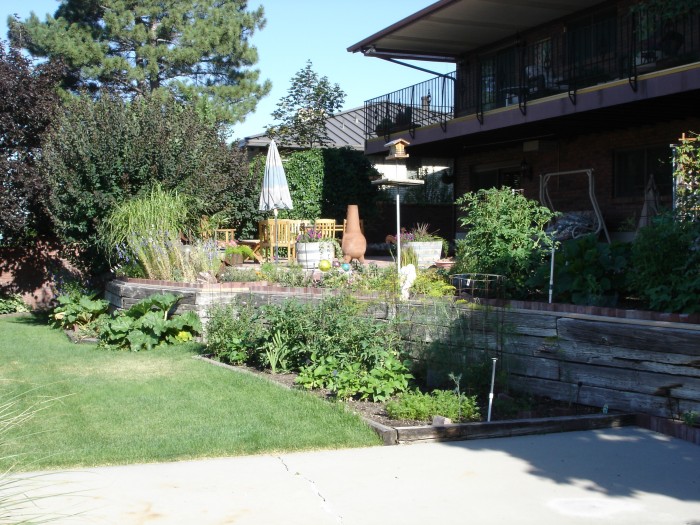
(621, 476)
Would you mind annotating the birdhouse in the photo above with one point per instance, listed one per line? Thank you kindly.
(397, 149)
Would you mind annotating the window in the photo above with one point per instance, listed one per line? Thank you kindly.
(592, 37)
(592, 45)
(634, 166)
(484, 178)
(499, 78)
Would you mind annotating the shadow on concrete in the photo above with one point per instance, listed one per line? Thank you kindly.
(617, 462)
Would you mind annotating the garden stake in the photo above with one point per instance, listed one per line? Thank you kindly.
(493, 379)
(551, 275)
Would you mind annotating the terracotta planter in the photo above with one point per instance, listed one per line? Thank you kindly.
(354, 243)
(233, 259)
(445, 265)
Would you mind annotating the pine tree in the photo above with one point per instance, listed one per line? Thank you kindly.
(311, 100)
(199, 51)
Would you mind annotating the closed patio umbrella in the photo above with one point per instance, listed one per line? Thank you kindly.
(275, 191)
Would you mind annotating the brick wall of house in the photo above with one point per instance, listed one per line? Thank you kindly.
(34, 271)
(594, 151)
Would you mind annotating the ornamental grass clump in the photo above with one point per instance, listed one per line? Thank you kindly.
(144, 237)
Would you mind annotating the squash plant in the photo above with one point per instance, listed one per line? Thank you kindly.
(148, 324)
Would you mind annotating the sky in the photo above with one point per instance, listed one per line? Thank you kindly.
(297, 31)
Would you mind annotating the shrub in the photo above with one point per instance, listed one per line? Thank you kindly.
(505, 236)
(238, 275)
(332, 344)
(13, 303)
(291, 275)
(432, 283)
(587, 272)
(100, 152)
(352, 354)
(147, 325)
(423, 406)
(665, 265)
(687, 177)
(233, 332)
(362, 278)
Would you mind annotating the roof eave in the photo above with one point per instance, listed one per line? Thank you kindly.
(364, 44)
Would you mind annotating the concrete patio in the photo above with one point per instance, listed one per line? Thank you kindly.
(623, 476)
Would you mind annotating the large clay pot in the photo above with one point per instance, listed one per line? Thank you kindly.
(354, 243)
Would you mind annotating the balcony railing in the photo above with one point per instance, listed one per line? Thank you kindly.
(611, 48)
(424, 104)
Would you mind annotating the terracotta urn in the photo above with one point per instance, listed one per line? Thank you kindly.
(354, 244)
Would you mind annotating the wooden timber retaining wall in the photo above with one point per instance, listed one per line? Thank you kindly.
(629, 364)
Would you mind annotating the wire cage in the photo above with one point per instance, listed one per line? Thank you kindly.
(479, 285)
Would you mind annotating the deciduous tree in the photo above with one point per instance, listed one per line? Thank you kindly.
(311, 100)
(28, 99)
(101, 152)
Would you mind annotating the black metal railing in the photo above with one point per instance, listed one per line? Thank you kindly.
(607, 49)
(424, 104)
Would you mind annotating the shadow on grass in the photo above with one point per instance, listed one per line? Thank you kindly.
(30, 319)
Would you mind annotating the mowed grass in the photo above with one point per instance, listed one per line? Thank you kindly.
(101, 407)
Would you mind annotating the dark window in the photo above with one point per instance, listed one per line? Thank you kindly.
(592, 44)
(496, 178)
(633, 168)
(499, 78)
(592, 36)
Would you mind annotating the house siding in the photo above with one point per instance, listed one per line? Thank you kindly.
(592, 150)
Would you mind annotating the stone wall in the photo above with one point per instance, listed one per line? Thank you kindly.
(633, 363)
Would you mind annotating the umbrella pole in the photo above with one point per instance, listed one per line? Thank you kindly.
(276, 234)
(398, 230)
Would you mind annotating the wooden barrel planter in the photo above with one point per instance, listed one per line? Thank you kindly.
(308, 254)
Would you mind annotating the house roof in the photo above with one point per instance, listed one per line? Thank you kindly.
(346, 129)
(449, 28)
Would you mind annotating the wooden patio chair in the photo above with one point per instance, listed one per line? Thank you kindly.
(283, 240)
(362, 225)
(224, 236)
(326, 227)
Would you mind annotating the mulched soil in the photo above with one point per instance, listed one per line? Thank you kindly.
(538, 407)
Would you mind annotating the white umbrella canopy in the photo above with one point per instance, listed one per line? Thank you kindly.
(275, 190)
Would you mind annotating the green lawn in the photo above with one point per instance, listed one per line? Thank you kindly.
(106, 407)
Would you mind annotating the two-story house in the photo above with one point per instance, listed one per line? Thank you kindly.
(600, 89)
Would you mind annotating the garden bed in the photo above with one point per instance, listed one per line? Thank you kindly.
(544, 415)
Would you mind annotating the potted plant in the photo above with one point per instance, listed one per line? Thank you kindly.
(426, 245)
(235, 253)
(308, 248)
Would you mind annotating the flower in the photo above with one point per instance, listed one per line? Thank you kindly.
(309, 235)
(418, 234)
